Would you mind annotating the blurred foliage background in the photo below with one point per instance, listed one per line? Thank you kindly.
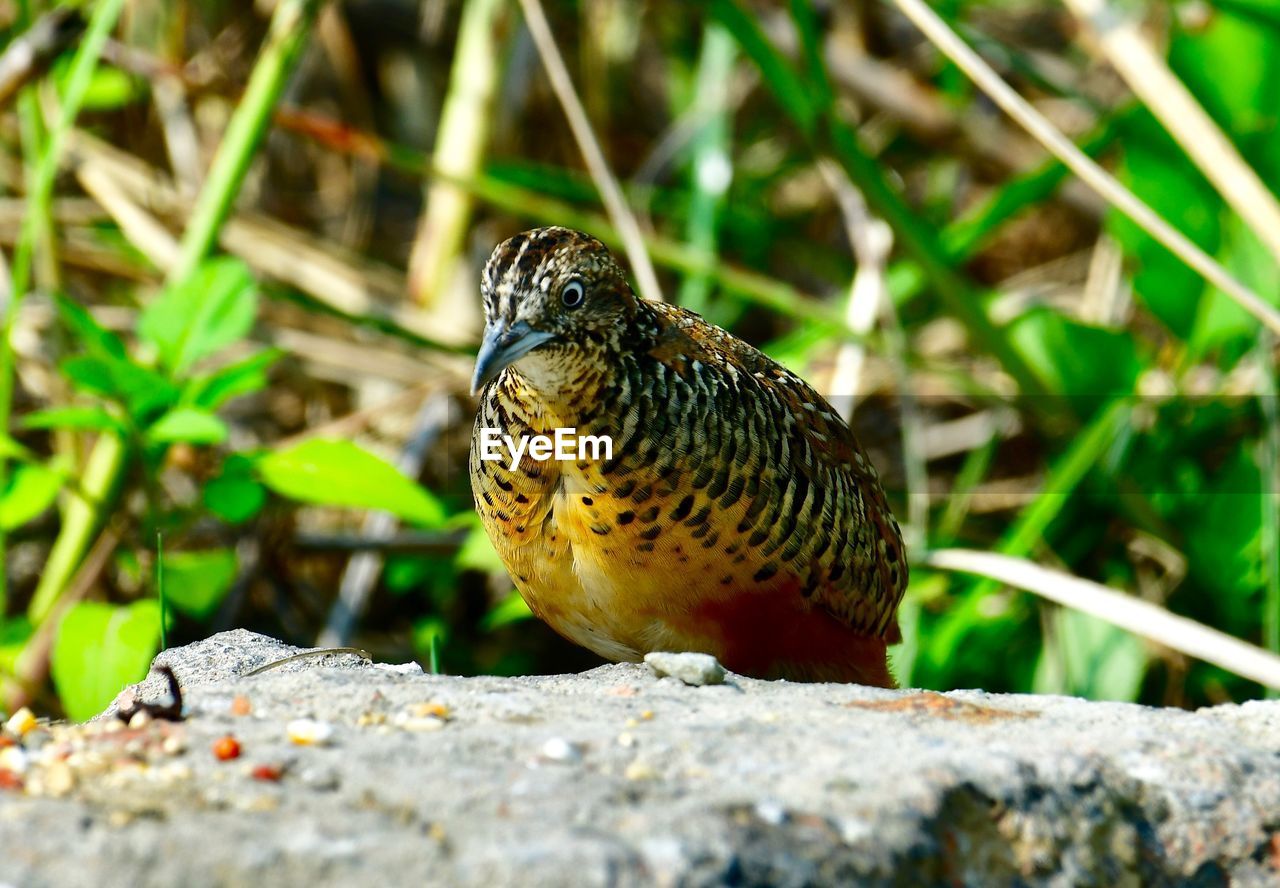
(242, 243)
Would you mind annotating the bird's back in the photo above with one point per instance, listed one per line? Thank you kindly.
(738, 515)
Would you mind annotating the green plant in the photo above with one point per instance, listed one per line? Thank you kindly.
(166, 392)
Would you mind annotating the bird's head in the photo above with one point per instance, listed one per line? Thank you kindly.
(553, 298)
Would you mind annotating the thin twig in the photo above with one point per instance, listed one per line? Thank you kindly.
(616, 205)
(462, 139)
(677, 255)
(139, 227)
(344, 282)
(871, 241)
(947, 41)
(1148, 75)
(290, 26)
(890, 89)
(29, 55)
(364, 568)
(351, 424)
(307, 655)
(1131, 614)
(181, 141)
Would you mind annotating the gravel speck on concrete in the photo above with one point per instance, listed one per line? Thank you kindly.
(749, 783)
(692, 669)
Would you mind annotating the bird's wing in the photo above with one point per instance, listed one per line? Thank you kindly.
(816, 509)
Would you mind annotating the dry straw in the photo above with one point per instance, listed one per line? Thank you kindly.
(1124, 200)
(1131, 614)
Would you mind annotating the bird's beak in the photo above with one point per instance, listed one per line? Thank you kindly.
(503, 346)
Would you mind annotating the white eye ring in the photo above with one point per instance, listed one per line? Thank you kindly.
(573, 294)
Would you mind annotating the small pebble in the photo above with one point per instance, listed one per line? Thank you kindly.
(57, 779)
(20, 722)
(173, 772)
(321, 779)
(309, 732)
(15, 759)
(226, 748)
(433, 709)
(268, 773)
(639, 770)
(557, 749)
(692, 669)
(771, 813)
(240, 705)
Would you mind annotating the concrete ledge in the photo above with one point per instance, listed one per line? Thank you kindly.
(616, 777)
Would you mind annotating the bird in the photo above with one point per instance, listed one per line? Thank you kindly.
(734, 514)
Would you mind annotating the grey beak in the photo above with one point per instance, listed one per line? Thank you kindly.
(502, 347)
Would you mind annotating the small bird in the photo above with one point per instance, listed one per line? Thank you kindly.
(736, 515)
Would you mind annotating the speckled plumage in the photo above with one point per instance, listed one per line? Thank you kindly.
(738, 515)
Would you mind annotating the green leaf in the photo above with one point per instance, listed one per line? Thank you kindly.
(15, 632)
(511, 609)
(32, 488)
(11, 449)
(235, 495)
(338, 473)
(1073, 358)
(1221, 320)
(89, 335)
(189, 425)
(92, 419)
(108, 89)
(1223, 527)
(241, 378)
(429, 635)
(1089, 657)
(1230, 65)
(101, 648)
(477, 552)
(111, 89)
(794, 92)
(1158, 173)
(196, 582)
(142, 391)
(213, 308)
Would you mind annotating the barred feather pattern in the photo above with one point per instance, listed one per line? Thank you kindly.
(738, 515)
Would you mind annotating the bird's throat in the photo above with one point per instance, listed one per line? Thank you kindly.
(558, 386)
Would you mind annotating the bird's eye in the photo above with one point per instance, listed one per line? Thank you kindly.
(573, 294)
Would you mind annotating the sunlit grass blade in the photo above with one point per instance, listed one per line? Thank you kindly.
(1129, 613)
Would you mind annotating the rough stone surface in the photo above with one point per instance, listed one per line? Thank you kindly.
(697, 670)
(615, 777)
